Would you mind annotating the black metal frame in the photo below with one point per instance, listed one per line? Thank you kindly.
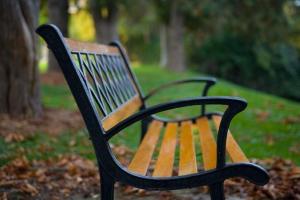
(110, 169)
(208, 82)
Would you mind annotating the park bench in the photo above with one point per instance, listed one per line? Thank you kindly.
(110, 99)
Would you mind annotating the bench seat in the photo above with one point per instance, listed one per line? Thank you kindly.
(182, 136)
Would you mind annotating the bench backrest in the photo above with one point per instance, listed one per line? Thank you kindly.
(109, 80)
(104, 72)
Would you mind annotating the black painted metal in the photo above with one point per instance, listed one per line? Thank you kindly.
(126, 61)
(217, 191)
(146, 121)
(106, 78)
(193, 119)
(97, 96)
(235, 105)
(207, 80)
(107, 185)
(144, 126)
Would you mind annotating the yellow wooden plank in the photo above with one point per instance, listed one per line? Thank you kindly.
(235, 152)
(187, 160)
(165, 161)
(122, 113)
(142, 157)
(208, 144)
(75, 45)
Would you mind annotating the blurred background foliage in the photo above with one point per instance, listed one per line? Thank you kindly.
(252, 43)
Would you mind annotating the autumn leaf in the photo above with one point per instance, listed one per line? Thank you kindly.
(13, 137)
(269, 138)
(28, 188)
(262, 116)
(291, 120)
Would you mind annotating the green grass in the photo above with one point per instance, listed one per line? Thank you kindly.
(258, 138)
(43, 146)
(58, 97)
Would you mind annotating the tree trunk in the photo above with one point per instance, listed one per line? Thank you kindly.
(175, 39)
(19, 83)
(163, 46)
(58, 15)
(105, 20)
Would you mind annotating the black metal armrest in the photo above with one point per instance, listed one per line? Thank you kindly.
(207, 80)
(235, 105)
(249, 171)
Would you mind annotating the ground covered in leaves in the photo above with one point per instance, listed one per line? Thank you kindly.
(71, 176)
(52, 122)
(51, 157)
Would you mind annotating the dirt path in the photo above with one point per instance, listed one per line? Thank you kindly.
(186, 194)
(75, 177)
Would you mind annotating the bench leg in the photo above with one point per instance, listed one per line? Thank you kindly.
(107, 187)
(217, 191)
(144, 127)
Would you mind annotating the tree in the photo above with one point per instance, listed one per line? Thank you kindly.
(248, 40)
(58, 15)
(19, 83)
(172, 33)
(175, 38)
(105, 15)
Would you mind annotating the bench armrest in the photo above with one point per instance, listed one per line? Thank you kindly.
(235, 105)
(207, 80)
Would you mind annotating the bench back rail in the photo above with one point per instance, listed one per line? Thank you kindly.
(86, 96)
(108, 80)
(104, 72)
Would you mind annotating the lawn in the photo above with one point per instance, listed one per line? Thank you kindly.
(269, 127)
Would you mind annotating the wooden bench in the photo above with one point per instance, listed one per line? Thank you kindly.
(110, 99)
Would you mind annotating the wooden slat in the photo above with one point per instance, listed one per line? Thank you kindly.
(79, 46)
(122, 113)
(142, 158)
(208, 144)
(235, 152)
(165, 161)
(187, 160)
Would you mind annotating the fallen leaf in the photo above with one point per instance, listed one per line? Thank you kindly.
(291, 120)
(13, 137)
(269, 138)
(295, 148)
(262, 115)
(3, 196)
(130, 190)
(72, 143)
(28, 188)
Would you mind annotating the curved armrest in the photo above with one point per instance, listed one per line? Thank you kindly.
(235, 105)
(207, 80)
